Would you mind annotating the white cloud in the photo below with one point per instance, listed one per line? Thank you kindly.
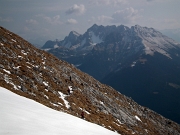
(171, 23)
(71, 21)
(128, 15)
(108, 2)
(100, 20)
(32, 21)
(54, 20)
(75, 9)
(104, 18)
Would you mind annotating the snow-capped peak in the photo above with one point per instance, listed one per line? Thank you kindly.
(154, 41)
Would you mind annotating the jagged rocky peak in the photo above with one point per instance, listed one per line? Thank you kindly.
(94, 27)
(101, 30)
(74, 33)
(72, 37)
(98, 34)
(40, 76)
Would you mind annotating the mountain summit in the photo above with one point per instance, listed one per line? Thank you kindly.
(139, 62)
(155, 41)
(42, 77)
(148, 39)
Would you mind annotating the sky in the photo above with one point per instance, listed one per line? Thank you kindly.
(22, 116)
(42, 20)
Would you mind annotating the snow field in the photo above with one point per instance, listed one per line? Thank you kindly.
(22, 116)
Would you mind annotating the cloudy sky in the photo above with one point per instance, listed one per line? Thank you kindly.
(41, 20)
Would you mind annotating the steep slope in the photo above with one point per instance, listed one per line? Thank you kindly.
(139, 62)
(36, 119)
(151, 77)
(42, 77)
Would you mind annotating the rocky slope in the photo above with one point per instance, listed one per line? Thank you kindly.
(42, 77)
(139, 62)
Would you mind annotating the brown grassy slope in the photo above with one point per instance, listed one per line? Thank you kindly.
(40, 76)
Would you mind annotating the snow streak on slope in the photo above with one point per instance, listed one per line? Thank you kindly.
(22, 116)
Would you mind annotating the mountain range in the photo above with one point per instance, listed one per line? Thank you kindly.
(40, 76)
(139, 62)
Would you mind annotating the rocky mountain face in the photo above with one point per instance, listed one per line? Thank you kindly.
(139, 62)
(40, 76)
(82, 43)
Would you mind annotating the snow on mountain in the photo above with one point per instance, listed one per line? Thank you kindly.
(23, 116)
(132, 60)
(95, 39)
(155, 41)
(151, 40)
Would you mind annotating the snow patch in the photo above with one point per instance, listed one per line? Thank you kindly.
(101, 102)
(133, 64)
(20, 56)
(70, 88)
(55, 105)
(46, 96)
(13, 40)
(138, 118)
(63, 98)
(23, 52)
(45, 83)
(84, 110)
(95, 39)
(17, 67)
(46, 90)
(77, 65)
(19, 46)
(56, 46)
(6, 71)
(119, 121)
(8, 80)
